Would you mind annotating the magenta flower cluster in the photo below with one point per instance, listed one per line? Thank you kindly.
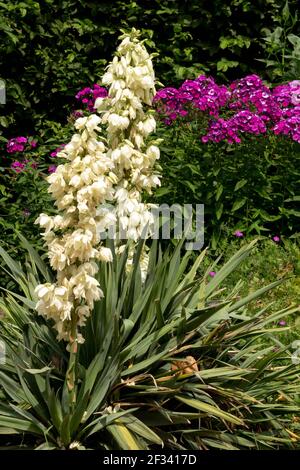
(52, 169)
(19, 166)
(202, 93)
(20, 144)
(58, 149)
(17, 144)
(246, 106)
(88, 95)
(77, 114)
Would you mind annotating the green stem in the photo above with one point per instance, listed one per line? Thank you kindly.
(71, 372)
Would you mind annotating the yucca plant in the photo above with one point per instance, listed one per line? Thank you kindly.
(173, 361)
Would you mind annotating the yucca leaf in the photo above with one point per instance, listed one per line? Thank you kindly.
(246, 300)
(77, 416)
(124, 438)
(190, 276)
(97, 365)
(229, 267)
(140, 346)
(14, 267)
(23, 299)
(210, 410)
(38, 371)
(65, 430)
(18, 425)
(55, 409)
(102, 422)
(29, 416)
(36, 259)
(228, 372)
(12, 388)
(46, 446)
(139, 428)
(159, 314)
(143, 365)
(101, 387)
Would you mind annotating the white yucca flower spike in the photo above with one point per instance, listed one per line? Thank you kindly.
(78, 187)
(129, 120)
(93, 175)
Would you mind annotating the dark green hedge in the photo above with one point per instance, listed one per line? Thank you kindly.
(51, 48)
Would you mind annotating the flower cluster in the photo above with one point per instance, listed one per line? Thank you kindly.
(16, 144)
(169, 104)
(18, 166)
(238, 234)
(288, 94)
(230, 129)
(57, 150)
(24, 165)
(250, 93)
(23, 147)
(20, 144)
(247, 106)
(94, 175)
(130, 79)
(52, 168)
(88, 96)
(72, 238)
(289, 124)
(202, 93)
(77, 114)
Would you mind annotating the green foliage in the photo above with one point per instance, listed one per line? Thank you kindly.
(270, 261)
(53, 48)
(19, 193)
(23, 196)
(251, 186)
(139, 385)
(282, 46)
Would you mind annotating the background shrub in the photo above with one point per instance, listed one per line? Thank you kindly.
(54, 47)
(249, 186)
(282, 46)
(23, 189)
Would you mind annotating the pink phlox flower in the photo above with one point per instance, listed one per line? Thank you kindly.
(52, 169)
(238, 234)
(17, 166)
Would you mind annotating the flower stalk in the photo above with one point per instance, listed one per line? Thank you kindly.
(71, 376)
(96, 173)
